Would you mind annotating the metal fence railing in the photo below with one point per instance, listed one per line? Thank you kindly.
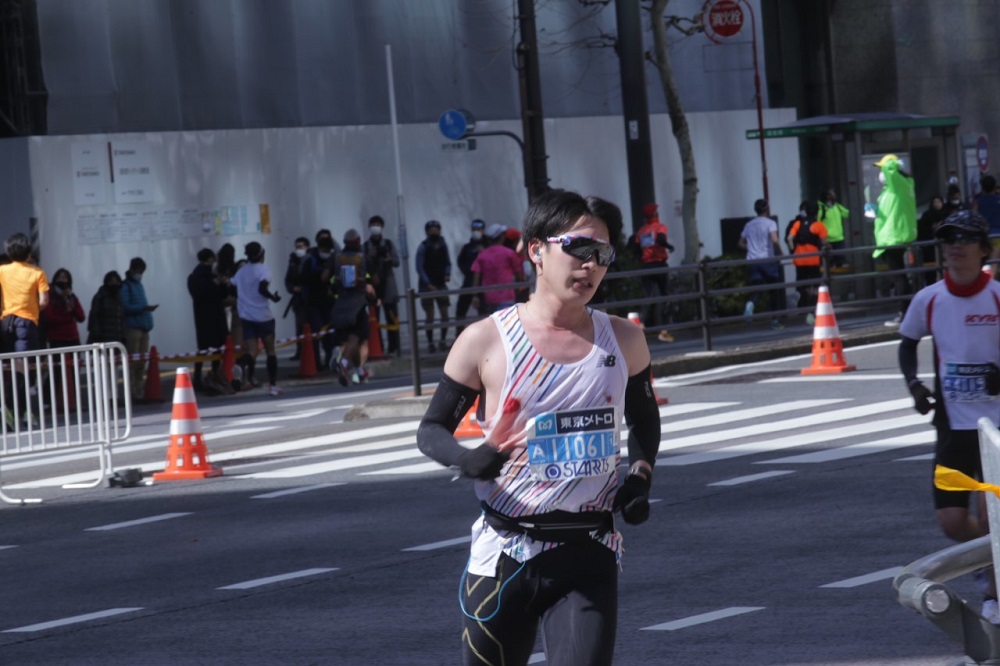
(64, 398)
(709, 296)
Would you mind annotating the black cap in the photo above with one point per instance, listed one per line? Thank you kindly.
(964, 221)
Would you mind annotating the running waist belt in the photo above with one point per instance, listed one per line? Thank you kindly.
(555, 526)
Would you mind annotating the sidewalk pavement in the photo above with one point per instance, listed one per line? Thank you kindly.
(739, 344)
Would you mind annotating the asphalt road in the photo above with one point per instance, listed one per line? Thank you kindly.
(783, 508)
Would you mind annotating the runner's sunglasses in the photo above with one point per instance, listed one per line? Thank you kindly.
(585, 247)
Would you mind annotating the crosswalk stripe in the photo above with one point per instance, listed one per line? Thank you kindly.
(805, 423)
(853, 450)
(336, 465)
(804, 439)
(749, 413)
(857, 581)
(703, 618)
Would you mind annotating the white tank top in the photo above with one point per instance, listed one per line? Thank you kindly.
(568, 438)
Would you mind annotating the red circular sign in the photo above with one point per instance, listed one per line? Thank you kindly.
(724, 19)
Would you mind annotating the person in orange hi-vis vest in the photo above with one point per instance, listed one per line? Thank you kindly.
(652, 248)
(805, 240)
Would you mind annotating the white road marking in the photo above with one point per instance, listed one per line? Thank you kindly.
(862, 449)
(537, 658)
(750, 478)
(439, 544)
(749, 413)
(271, 418)
(42, 626)
(296, 491)
(884, 574)
(923, 457)
(846, 377)
(703, 618)
(140, 521)
(6, 547)
(335, 465)
(246, 585)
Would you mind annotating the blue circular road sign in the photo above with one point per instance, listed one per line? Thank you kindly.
(455, 124)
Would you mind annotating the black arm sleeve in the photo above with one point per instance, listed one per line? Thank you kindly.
(642, 417)
(908, 359)
(435, 435)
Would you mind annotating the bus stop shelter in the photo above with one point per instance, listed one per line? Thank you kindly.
(845, 147)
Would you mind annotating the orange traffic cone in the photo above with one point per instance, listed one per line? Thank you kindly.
(828, 350)
(469, 427)
(307, 357)
(374, 335)
(228, 359)
(187, 457)
(153, 392)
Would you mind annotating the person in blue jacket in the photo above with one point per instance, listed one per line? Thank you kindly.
(138, 323)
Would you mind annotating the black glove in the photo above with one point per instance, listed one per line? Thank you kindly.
(483, 462)
(670, 247)
(275, 297)
(921, 397)
(993, 380)
(633, 499)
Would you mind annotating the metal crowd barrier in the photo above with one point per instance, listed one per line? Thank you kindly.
(920, 586)
(61, 399)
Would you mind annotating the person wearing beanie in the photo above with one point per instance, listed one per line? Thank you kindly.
(652, 248)
(466, 256)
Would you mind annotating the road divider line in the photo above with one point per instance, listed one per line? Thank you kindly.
(704, 618)
(296, 491)
(438, 544)
(258, 582)
(750, 478)
(76, 619)
(858, 581)
(134, 523)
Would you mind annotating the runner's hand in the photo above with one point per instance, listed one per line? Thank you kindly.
(633, 499)
(993, 380)
(921, 398)
(483, 462)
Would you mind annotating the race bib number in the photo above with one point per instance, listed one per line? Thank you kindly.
(571, 445)
(965, 382)
(647, 240)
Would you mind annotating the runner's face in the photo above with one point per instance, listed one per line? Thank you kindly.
(568, 277)
(964, 255)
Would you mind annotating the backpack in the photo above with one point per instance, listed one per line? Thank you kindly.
(805, 236)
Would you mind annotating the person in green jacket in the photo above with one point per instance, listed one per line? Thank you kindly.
(895, 224)
(832, 214)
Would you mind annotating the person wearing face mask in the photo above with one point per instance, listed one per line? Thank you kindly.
(434, 270)
(294, 286)
(138, 323)
(316, 295)
(60, 318)
(954, 202)
(208, 292)
(895, 225)
(106, 321)
(353, 284)
(466, 256)
(382, 259)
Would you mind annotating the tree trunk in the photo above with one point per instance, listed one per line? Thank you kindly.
(679, 125)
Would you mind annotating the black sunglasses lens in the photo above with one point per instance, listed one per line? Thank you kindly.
(585, 248)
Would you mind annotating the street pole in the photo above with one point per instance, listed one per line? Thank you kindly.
(531, 101)
(635, 108)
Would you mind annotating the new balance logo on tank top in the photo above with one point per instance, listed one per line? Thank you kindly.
(567, 436)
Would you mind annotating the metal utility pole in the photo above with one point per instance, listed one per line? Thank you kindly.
(635, 108)
(536, 174)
